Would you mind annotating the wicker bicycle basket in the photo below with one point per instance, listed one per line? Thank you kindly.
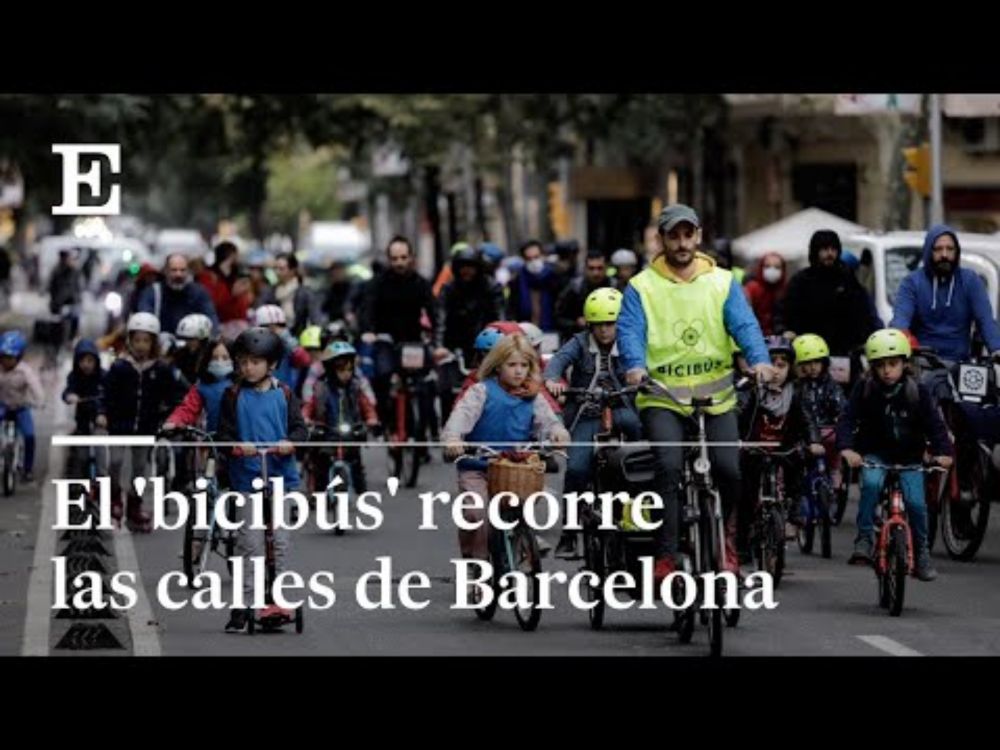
(520, 478)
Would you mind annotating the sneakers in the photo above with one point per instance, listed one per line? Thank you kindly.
(664, 567)
(566, 549)
(862, 552)
(923, 569)
(237, 621)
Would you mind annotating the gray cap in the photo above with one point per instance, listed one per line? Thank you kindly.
(673, 215)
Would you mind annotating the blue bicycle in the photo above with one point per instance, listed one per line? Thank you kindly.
(816, 509)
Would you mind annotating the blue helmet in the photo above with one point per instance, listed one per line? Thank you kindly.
(493, 253)
(339, 349)
(487, 339)
(13, 343)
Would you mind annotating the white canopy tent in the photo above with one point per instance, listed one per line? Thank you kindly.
(790, 236)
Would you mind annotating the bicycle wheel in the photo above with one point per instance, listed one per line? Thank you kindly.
(486, 613)
(9, 471)
(594, 561)
(771, 545)
(897, 569)
(528, 561)
(840, 501)
(195, 548)
(806, 536)
(411, 466)
(825, 498)
(711, 544)
(964, 521)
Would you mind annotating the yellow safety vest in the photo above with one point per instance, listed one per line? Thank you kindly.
(688, 349)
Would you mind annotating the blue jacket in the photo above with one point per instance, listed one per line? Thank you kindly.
(506, 420)
(174, 305)
(939, 312)
(737, 316)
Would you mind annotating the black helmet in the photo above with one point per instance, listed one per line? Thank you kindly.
(259, 342)
(467, 256)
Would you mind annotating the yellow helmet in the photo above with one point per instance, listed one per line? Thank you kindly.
(602, 306)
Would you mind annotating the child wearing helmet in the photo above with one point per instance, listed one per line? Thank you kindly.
(592, 359)
(821, 395)
(342, 396)
(293, 357)
(137, 391)
(193, 331)
(892, 418)
(774, 412)
(258, 409)
(311, 339)
(204, 398)
(20, 392)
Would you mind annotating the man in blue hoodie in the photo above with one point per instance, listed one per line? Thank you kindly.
(939, 301)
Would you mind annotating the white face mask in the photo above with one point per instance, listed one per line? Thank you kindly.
(220, 368)
(772, 274)
(535, 266)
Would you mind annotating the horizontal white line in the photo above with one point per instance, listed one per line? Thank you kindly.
(145, 441)
(105, 440)
(888, 645)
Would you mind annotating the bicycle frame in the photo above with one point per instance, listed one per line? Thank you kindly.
(892, 515)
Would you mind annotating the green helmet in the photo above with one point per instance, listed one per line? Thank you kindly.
(310, 338)
(809, 347)
(889, 342)
(459, 247)
(602, 306)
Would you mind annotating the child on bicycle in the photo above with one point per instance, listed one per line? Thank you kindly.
(259, 409)
(20, 392)
(774, 412)
(592, 355)
(137, 390)
(504, 408)
(343, 396)
(214, 375)
(821, 395)
(891, 418)
(311, 339)
(84, 385)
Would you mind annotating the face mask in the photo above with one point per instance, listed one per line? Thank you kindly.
(772, 274)
(535, 266)
(220, 368)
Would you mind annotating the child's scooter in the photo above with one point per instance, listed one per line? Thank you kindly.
(272, 617)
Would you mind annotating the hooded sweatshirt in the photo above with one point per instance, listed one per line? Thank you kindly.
(764, 297)
(85, 386)
(940, 311)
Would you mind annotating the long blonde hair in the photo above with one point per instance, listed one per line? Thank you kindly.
(502, 351)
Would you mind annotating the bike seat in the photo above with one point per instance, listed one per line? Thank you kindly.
(702, 403)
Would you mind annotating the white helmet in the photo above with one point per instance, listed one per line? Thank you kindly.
(624, 257)
(268, 315)
(143, 321)
(533, 332)
(194, 326)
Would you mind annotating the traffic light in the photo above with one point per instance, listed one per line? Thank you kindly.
(558, 213)
(918, 169)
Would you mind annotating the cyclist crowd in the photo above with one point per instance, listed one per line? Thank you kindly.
(246, 350)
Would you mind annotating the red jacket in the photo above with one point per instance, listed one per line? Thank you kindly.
(227, 306)
(764, 298)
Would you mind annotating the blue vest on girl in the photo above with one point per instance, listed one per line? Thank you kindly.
(211, 398)
(506, 421)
